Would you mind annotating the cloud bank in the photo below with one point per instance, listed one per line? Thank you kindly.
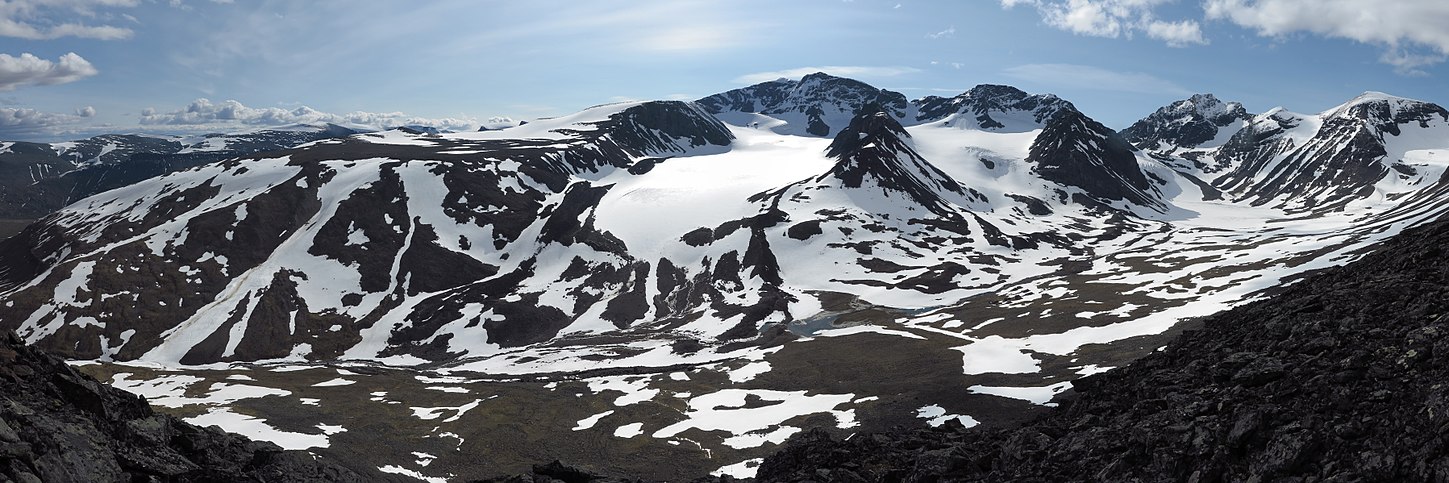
(1114, 18)
(203, 114)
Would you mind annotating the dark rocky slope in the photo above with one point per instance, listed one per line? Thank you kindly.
(58, 425)
(1338, 378)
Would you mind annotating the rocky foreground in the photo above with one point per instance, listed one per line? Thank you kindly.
(1342, 377)
(58, 425)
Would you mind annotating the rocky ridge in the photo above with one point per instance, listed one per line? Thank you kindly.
(58, 425)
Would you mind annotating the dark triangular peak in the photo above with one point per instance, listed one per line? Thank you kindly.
(875, 149)
(991, 107)
(1076, 150)
(1198, 121)
(818, 104)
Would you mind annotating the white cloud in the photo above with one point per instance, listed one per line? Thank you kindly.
(835, 70)
(203, 114)
(1094, 78)
(27, 124)
(88, 111)
(47, 19)
(1412, 32)
(1176, 34)
(28, 69)
(1113, 19)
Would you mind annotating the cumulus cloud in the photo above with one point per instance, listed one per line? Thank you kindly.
(18, 124)
(835, 70)
(203, 114)
(1114, 18)
(48, 19)
(28, 69)
(1412, 32)
(87, 111)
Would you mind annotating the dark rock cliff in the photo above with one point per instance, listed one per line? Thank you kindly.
(58, 425)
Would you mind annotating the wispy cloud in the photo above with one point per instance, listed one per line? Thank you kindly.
(1411, 32)
(49, 19)
(27, 70)
(949, 32)
(1094, 78)
(835, 70)
(1114, 18)
(205, 115)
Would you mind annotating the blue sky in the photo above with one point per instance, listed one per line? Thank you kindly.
(70, 68)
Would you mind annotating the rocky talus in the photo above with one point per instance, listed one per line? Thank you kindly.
(58, 425)
(1343, 377)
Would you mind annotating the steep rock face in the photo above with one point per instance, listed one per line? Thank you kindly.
(1188, 123)
(816, 105)
(1321, 162)
(1309, 384)
(991, 107)
(58, 425)
(1076, 150)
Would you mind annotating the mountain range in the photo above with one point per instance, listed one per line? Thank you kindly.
(855, 259)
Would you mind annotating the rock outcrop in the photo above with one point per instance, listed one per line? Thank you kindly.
(58, 425)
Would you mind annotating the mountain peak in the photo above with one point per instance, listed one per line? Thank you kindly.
(992, 107)
(875, 147)
(818, 104)
(1201, 120)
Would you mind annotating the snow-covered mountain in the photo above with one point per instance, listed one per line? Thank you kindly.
(1008, 234)
(1200, 121)
(39, 178)
(816, 105)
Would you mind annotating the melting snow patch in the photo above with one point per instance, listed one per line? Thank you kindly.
(257, 429)
(936, 416)
(726, 411)
(860, 329)
(995, 354)
(334, 382)
(435, 413)
(749, 371)
(1090, 369)
(590, 421)
(679, 376)
(629, 430)
(743, 469)
(398, 470)
(635, 391)
(1035, 395)
(329, 429)
(307, 401)
(757, 439)
(424, 459)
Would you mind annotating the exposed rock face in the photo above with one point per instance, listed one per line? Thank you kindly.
(820, 103)
(58, 425)
(1076, 150)
(989, 106)
(1338, 378)
(1188, 123)
(1278, 160)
